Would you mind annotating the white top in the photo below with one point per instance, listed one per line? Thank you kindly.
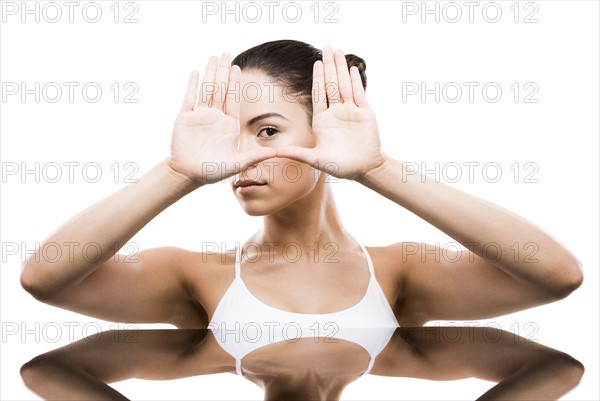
(242, 323)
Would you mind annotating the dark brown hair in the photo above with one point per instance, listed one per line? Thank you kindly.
(290, 63)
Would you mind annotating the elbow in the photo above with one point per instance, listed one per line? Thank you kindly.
(32, 281)
(569, 369)
(35, 371)
(28, 371)
(561, 277)
(576, 368)
(573, 279)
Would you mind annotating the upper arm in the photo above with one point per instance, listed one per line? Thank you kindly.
(453, 353)
(81, 370)
(443, 284)
(147, 354)
(147, 287)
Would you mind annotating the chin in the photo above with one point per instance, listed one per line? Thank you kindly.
(276, 201)
(264, 207)
(255, 211)
(257, 208)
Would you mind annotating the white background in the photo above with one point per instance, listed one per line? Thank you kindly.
(558, 135)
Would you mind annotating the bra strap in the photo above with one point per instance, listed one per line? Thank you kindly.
(369, 262)
(238, 366)
(238, 251)
(371, 363)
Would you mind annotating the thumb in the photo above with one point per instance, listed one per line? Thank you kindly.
(300, 154)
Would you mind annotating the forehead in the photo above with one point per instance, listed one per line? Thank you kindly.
(260, 93)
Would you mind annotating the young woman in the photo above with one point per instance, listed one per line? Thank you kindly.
(310, 121)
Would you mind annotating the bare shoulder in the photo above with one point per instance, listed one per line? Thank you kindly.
(392, 262)
(206, 276)
(391, 270)
(398, 264)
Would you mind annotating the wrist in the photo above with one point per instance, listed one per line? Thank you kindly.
(373, 174)
(178, 180)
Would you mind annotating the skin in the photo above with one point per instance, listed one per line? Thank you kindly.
(213, 140)
(523, 369)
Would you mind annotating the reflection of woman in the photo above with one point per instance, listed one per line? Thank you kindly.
(279, 146)
(524, 369)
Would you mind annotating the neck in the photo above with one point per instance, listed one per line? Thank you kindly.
(305, 387)
(312, 220)
(302, 394)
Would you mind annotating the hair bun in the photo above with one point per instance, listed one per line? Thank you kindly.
(354, 61)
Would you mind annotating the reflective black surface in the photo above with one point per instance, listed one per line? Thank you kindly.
(316, 368)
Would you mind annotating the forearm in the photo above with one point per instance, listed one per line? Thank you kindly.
(96, 234)
(480, 226)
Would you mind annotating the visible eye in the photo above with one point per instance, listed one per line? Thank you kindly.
(268, 130)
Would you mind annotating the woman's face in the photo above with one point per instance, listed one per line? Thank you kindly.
(271, 117)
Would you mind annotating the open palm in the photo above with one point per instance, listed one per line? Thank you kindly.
(345, 128)
(207, 129)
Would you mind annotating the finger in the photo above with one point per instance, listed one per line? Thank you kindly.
(232, 103)
(221, 80)
(254, 156)
(189, 100)
(357, 88)
(208, 82)
(318, 95)
(343, 76)
(300, 154)
(331, 84)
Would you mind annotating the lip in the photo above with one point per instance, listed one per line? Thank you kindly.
(248, 186)
(248, 189)
(245, 183)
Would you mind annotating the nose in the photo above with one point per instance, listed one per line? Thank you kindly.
(247, 141)
(252, 172)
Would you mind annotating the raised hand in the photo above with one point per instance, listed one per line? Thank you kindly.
(345, 129)
(205, 136)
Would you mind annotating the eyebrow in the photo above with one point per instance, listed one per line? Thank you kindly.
(263, 116)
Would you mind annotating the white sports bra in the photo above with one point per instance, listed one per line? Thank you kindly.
(242, 323)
